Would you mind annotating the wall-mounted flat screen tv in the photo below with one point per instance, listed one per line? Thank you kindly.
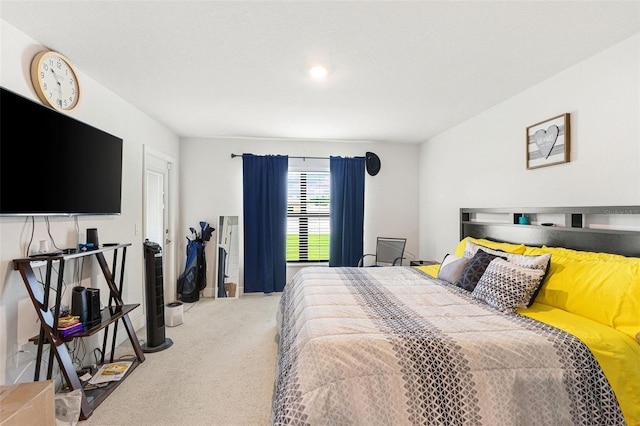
(53, 164)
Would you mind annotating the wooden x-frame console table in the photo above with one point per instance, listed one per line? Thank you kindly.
(48, 315)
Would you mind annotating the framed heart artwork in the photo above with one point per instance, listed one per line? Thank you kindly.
(548, 142)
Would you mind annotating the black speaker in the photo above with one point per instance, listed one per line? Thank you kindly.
(93, 302)
(92, 237)
(79, 305)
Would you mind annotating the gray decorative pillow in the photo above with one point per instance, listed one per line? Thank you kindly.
(451, 268)
(474, 270)
(507, 286)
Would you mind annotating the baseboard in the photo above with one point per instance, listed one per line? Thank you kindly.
(208, 292)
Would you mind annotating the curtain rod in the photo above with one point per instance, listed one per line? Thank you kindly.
(304, 158)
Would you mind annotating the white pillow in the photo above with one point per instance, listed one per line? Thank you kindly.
(451, 268)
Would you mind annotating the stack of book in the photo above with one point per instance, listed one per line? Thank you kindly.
(69, 325)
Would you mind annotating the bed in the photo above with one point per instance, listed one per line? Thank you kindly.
(404, 345)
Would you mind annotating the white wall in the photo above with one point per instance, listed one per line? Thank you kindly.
(481, 162)
(102, 109)
(211, 185)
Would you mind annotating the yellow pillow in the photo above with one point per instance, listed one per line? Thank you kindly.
(535, 251)
(430, 269)
(589, 255)
(605, 291)
(508, 247)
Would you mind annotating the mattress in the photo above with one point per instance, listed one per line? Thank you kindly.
(395, 346)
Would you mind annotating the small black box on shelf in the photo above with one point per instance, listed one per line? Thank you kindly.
(93, 302)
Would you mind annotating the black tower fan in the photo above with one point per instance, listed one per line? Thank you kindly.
(156, 340)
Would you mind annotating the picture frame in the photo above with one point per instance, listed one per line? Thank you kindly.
(548, 142)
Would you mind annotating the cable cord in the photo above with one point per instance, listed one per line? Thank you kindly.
(191, 307)
(97, 356)
(33, 226)
(23, 370)
(46, 219)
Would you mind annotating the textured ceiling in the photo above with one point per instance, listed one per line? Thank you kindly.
(398, 71)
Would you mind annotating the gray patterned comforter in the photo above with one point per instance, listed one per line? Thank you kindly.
(392, 346)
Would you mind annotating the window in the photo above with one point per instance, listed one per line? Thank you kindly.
(307, 216)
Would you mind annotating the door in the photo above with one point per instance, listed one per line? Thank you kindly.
(157, 187)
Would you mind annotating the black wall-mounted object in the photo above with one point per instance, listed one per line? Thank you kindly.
(154, 298)
(372, 163)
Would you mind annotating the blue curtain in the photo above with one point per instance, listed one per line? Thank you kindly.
(265, 222)
(347, 210)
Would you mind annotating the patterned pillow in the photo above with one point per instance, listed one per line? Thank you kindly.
(492, 244)
(507, 286)
(474, 269)
(472, 248)
(452, 268)
(526, 261)
(540, 262)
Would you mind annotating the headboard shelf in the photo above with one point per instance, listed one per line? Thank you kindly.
(608, 210)
(558, 228)
(573, 227)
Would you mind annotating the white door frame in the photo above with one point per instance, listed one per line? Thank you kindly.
(152, 156)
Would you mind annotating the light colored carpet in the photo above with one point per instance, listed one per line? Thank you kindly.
(219, 371)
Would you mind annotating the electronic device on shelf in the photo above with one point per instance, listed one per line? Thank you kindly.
(53, 253)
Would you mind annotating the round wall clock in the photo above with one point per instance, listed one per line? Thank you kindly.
(55, 80)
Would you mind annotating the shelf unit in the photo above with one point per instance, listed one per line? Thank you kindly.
(115, 312)
(572, 230)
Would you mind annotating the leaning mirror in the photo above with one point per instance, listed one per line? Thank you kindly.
(228, 257)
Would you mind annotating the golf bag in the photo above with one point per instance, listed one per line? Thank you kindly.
(194, 278)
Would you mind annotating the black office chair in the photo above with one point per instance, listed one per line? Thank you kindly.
(389, 252)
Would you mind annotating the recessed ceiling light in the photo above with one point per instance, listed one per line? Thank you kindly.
(318, 72)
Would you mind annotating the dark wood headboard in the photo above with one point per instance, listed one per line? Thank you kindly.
(581, 228)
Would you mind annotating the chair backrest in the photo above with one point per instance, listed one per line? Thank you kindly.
(390, 251)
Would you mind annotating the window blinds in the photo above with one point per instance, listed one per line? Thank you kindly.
(308, 216)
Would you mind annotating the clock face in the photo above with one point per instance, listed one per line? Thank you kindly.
(55, 81)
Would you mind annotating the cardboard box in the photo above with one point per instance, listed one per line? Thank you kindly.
(230, 289)
(28, 404)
